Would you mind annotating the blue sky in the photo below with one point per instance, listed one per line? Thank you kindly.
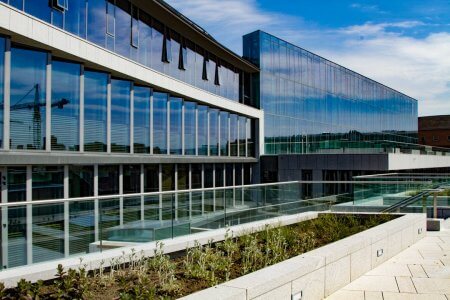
(404, 44)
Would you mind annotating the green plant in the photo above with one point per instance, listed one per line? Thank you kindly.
(165, 270)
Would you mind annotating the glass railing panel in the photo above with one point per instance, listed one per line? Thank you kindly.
(81, 226)
(17, 242)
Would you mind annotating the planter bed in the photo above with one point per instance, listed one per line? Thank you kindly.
(200, 267)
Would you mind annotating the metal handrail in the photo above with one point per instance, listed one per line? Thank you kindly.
(104, 197)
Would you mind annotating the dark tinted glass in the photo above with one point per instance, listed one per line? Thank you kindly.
(151, 178)
(108, 180)
(176, 106)
(131, 179)
(48, 182)
(81, 181)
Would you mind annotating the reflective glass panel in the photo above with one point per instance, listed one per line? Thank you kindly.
(81, 181)
(17, 180)
(75, 18)
(151, 178)
(202, 130)
(224, 133)
(96, 30)
(213, 132)
(142, 119)
(176, 106)
(233, 135)
(108, 180)
(28, 93)
(65, 106)
(123, 28)
(120, 115)
(131, 179)
(38, 8)
(168, 177)
(48, 182)
(189, 127)
(95, 116)
(160, 123)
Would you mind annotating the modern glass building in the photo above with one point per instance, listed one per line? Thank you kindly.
(124, 121)
(313, 105)
(113, 97)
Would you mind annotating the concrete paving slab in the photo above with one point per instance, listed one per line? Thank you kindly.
(432, 285)
(373, 283)
(417, 271)
(346, 295)
(369, 295)
(390, 269)
(405, 285)
(437, 271)
(406, 296)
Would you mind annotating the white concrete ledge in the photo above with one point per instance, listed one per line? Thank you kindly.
(319, 273)
(46, 270)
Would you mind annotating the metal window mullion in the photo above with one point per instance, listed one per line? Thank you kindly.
(214, 185)
(207, 133)
(175, 206)
(4, 191)
(168, 125)
(183, 127)
(108, 116)
(121, 193)
(229, 135)
(66, 212)
(219, 133)
(48, 103)
(96, 204)
(142, 181)
(81, 108)
(29, 215)
(190, 193)
(160, 189)
(203, 186)
(132, 118)
(7, 95)
(151, 119)
(196, 130)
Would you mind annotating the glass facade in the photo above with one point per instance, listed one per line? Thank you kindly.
(95, 111)
(81, 100)
(28, 97)
(312, 104)
(141, 119)
(65, 106)
(120, 115)
(127, 30)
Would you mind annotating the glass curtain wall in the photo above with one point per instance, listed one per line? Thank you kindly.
(95, 111)
(313, 104)
(120, 115)
(190, 127)
(65, 106)
(121, 27)
(202, 129)
(160, 101)
(214, 132)
(224, 133)
(28, 97)
(141, 119)
(176, 119)
(233, 135)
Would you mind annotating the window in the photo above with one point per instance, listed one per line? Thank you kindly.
(224, 133)
(108, 180)
(17, 179)
(65, 106)
(168, 177)
(205, 67)
(202, 129)
(28, 97)
(435, 138)
(189, 127)
(48, 182)
(135, 27)
(151, 178)
(182, 62)
(233, 135)
(60, 4)
(95, 101)
(120, 115)
(216, 74)
(75, 18)
(213, 132)
(166, 47)
(160, 123)
(176, 107)
(97, 20)
(142, 119)
(39, 8)
(123, 29)
(81, 181)
(131, 179)
(448, 138)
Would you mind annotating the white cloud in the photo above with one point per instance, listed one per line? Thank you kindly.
(417, 66)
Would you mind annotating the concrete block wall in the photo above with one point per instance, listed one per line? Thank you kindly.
(321, 272)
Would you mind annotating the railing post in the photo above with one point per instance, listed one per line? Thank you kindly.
(435, 214)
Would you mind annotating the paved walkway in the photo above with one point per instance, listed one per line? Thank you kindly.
(419, 272)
